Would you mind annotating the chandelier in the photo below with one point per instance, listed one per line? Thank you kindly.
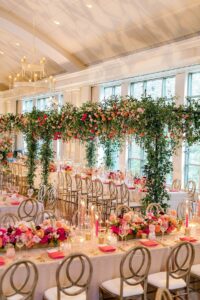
(31, 73)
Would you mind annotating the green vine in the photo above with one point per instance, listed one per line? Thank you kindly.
(110, 147)
(46, 156)
(32, 147)
(91, 153)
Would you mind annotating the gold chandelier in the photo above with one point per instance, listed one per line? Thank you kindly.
(31, 73)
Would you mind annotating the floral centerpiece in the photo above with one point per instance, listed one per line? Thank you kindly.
(68, 169)
(5, 149)
(139, 225)
(140, 183)
(52, 167)
(31, 235)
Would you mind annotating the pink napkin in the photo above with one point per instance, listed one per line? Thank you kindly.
(188, 239)
(107, 248)
(149, 243)
(131, 188)
(15, 202)
(174, 190)
(2, 261)
(56, 254)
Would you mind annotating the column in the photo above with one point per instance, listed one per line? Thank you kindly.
(122, 156)
(2, 107)
(178, 158)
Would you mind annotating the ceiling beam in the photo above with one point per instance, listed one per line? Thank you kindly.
(16, 26)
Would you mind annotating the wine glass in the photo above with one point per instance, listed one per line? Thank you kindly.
(30, 192)
(19, 245)
(163, 228)
(121, 232)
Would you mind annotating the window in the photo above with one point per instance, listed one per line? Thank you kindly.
(42, 103)
(27, 106)
(192, 153)
(112, 91)
(136, 158)
(162, 87)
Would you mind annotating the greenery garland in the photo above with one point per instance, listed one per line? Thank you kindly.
(157, 125)
(46, 155)
(32, 147)
(91, 153)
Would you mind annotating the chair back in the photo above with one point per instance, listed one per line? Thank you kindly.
(122, 209)
(89, 186)
(135, 265)
(20, 283)
(113, 190)
(45, 215)
(154, 207)
(124, 194)
(68, 181)
(176, 185)
(8, 220)
(78, 182)
(191, 188)
(98, 188)
(51, 196)
(163, 294)
(68, 282)
(28, 210)
(42, 193)
(180, 261)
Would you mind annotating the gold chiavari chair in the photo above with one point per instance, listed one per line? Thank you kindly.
(42, 194)
(177, 275)
(176, 185)
(124, 194)
(8, 220)
(122, 209)
(109, 202)
(154, 207)
(132, 283)
(191, 190)
(51, 197)
(28, 210)
(70, 286)
(73, 191)
(163, 294)
(91, 191)
(45, 215)
(22, 278)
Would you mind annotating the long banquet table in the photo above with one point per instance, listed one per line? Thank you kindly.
(105, 265)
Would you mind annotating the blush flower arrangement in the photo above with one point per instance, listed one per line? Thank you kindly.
(5, 148)
(139, 225)
(31, 235)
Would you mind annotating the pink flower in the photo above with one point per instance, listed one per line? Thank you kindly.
(127, 217)
(113, 218)
(84, 117)
(61, 234)
(140, 110)
(44, 240)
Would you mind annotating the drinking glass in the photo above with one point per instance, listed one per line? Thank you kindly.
(30, 192)
(19, 245)
(121, 232)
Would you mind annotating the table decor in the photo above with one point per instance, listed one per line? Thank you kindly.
(32, 236)
(139, 225)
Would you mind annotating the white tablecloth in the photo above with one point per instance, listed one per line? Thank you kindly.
(105, 266)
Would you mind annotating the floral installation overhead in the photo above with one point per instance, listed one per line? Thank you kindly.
(6, 144)
(31, 235)
(157, 125)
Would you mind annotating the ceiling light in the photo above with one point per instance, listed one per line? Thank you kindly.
(1, 52)
(17, 44)
(89, 5)
(56, 22)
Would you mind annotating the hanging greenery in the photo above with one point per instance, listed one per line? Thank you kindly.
(91, 153)
(156, 124)
(111, 151)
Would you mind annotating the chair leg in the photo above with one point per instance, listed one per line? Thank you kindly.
(101, 297)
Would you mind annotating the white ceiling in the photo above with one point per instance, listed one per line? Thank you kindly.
(89, 35)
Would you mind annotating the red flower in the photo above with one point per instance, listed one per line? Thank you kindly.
(84, 117)
(61, 233)
(44, 240)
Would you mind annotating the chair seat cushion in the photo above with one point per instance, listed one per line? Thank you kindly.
(195, 270)
(113, 286)
(159, 280)
(15, 297)
(51, 294)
